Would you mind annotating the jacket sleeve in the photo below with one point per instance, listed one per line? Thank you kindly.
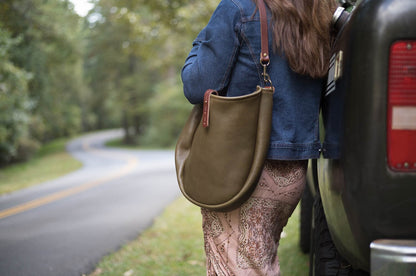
(213, 55)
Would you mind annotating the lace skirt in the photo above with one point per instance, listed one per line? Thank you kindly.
(244, 241)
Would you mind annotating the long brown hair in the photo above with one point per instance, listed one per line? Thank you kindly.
(301, 30)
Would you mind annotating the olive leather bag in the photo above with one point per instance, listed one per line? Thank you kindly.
(221, 150)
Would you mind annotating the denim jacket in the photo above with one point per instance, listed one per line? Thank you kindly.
(225, 57)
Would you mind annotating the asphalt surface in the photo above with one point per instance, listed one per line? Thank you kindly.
(65, 226)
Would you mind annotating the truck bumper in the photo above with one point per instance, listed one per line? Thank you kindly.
(393, 257)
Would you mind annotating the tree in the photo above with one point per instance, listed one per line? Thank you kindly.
(50, 50)
(15, 105)
(135, 49)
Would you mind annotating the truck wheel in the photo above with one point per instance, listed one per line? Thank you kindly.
(306, 205)
(325, 259)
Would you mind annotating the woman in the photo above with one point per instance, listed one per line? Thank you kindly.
(225, 57)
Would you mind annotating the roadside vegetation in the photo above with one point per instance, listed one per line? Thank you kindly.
(119, 143)
(50, 162)
(174, 246)
(117, 67)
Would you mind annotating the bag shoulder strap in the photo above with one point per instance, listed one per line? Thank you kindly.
(264, 55)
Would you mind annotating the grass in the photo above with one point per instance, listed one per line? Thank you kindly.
(174, 246)
(50, 162)
(119, 143)
(292, 261)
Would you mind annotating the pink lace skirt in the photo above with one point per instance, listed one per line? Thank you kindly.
(244, 241)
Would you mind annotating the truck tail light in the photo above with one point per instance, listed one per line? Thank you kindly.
(401, 121)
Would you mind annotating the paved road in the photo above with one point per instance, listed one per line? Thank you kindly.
(64, 227)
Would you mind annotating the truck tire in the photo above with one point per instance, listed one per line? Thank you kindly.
(325, 259)
(305, 225)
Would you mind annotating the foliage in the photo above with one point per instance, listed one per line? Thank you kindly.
(61, 74)
(50, 51)
(135, 50)
(168, 110)
(14, 104)
(41, 75)
(50, 162)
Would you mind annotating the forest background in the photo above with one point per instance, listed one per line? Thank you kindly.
(119, 66)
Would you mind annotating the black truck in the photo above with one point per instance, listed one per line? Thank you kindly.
(358, 213)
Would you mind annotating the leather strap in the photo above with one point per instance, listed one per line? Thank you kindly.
(264, 60)
(205, 109)
(264, 55)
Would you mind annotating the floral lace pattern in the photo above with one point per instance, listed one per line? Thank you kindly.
(257, 233)
(245, 241)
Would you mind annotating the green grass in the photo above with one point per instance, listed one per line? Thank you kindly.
(50, 162)
(174, 246)
(292, 261)
(118, 143)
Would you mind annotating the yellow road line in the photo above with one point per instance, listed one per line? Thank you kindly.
(131, 164)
